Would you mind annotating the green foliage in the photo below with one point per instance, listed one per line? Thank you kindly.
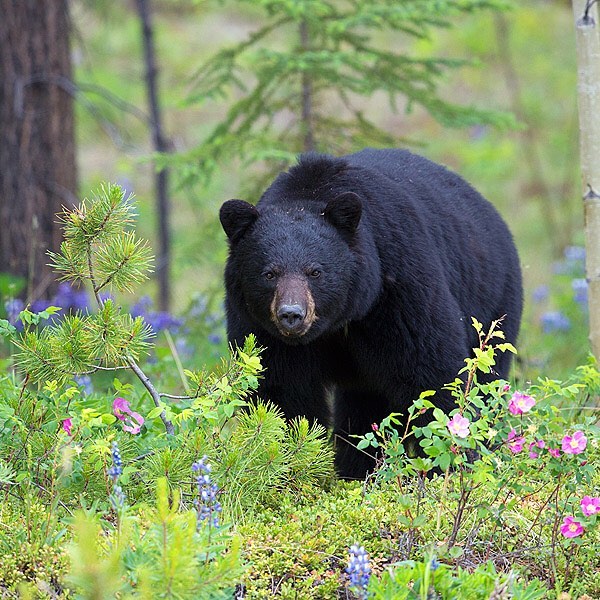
(517, 456)
(98, 250)
(424, 580)
(96, 229)
(337, 55)
(160, 554)
(264, 458)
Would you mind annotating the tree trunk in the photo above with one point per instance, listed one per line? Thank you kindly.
(587, 28)
(37, 147)
(160, 143)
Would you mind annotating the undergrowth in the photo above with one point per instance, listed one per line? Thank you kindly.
(123, 490)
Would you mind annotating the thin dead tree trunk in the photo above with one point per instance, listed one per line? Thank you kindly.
(587, 28)
(307, 95)
(161, 144)
(38, 172)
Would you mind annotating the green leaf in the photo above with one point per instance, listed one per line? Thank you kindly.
(6, 329)
(155, 412)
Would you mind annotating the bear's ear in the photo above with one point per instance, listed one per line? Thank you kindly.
(236, 216)
(344, 211)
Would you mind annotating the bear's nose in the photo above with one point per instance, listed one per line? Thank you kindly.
(291, 317)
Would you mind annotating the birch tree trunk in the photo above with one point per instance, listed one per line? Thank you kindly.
(587, 27)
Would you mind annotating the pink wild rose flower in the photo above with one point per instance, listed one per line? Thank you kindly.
(132, 421)
(459, 426)
(533, 446)
(515, 442)
(574, 444)
(554, 452)
(590, 506)
(571, 528)
(67, 425)
(520, 403)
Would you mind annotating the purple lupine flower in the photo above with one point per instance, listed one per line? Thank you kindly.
(574, 254)
(158, 320)
(13, 308)
(580, 291)
(540, 293)
(71, 299)
(85, 383)
(141, 307)
(207, 505)
(214, 338)
(117, 497)
(554, 320)
(359, 570)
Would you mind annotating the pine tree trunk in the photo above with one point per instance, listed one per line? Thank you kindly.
(587, 27)
(37, 143)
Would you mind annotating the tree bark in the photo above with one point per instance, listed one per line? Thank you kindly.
(587, 28)
(307, 95)
(37, 149)
(160, 143)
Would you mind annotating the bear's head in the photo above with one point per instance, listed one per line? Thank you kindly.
(297, 268)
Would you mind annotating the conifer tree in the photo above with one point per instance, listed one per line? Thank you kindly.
(309, 93)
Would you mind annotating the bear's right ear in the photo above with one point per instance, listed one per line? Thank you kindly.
(236, 216)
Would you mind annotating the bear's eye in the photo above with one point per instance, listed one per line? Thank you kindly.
(315, 273)
(269, 275)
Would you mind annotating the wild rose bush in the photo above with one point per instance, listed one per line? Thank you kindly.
(502, 449)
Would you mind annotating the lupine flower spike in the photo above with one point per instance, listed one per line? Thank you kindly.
(117, 497)
(359, 570)
(207, 505)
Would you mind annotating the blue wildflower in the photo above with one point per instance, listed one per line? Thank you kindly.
(359, 570)
(214, 338)
(71, 299)
(13, 308)
(540, 293)
(117, 463)
(207, 505)
(580, 291)
(85, 383)
(554, 320)
(158, 320)
(434, 564)
(38, 306)
(574, 254)
(117, 497)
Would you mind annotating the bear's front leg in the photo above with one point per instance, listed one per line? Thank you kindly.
(293, 381)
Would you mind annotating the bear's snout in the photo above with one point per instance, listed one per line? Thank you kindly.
(291, 317)
(293, 307)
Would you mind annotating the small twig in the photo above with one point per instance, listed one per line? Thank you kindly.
(586, 14)
(153, 393)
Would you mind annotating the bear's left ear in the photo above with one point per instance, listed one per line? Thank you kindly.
(236, 216)
(344, 211)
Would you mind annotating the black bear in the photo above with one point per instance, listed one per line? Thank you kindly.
(359, 276)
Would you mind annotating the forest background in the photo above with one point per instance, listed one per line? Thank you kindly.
(101, 498)
(530, 172)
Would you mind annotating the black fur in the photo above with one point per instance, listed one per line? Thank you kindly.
(402, 253)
